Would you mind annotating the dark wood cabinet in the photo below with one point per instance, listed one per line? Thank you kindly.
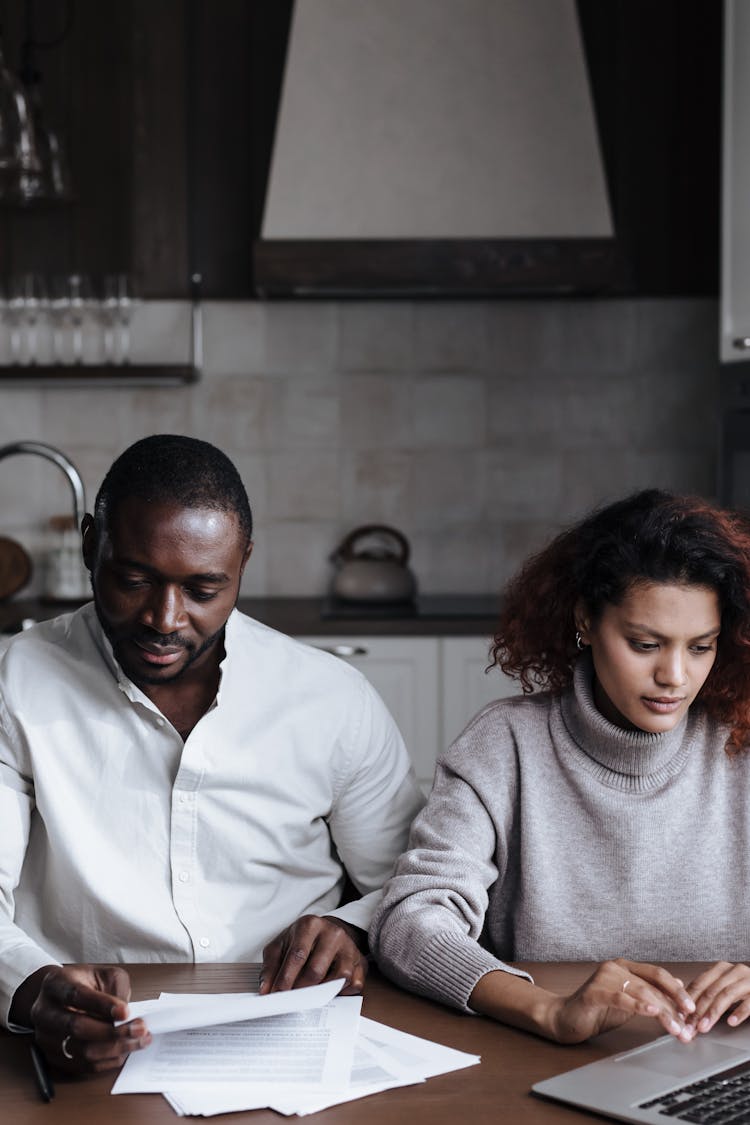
(169, 106)
(167, 110)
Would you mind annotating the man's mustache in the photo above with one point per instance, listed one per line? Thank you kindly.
(161, 640)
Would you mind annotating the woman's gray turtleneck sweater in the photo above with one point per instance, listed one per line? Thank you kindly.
(553, 835)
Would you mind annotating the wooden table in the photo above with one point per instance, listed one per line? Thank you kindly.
(496, 1091)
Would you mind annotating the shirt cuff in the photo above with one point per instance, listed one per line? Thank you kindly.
(359, 912)
(16, 967)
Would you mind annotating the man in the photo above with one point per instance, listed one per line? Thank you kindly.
(177, 781)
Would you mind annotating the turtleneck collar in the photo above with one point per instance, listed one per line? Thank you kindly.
(626, 759)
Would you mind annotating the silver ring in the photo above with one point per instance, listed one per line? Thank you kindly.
(64, 1047)
(625, 985)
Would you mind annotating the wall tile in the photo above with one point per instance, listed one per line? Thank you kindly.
(87, 418)
(450, 336)
(305, 414)
(305, 486)
(449, 411)
(523, 483)
(680, 409)
(300, 338)
(20, 415)
(448, 488)
(376, 412)
(376, 336)
(453, 560)
(678, 333)
(596, 336)
(233, 412)
(234, 337)
(152, 410)
(297, 555)
(523, 336)
(600, 476)
(253, 469)
(557, 411)
(512, 542)
(376, 487)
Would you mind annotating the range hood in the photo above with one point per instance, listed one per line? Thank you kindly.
(435, 147)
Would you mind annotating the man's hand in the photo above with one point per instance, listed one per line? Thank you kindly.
(311, 951)
(73, 1017)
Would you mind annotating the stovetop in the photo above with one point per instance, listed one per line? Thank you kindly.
(424, 606)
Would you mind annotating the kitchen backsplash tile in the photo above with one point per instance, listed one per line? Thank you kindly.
(451, 336)
(301, 338)
(376, 487)
(450, 411)
(377, 412)
(303, 487)
(476, 427)
(376, 336)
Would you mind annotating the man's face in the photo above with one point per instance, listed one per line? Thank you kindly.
(165, 579)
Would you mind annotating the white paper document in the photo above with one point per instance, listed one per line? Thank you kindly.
(297, 1061)
(177, 1011)
(312, 1047)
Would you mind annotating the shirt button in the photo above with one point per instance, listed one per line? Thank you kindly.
(183, 798)
(184, 876)
(160, 722)
(205, 942)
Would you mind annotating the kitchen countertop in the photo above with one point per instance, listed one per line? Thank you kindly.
(430, 616)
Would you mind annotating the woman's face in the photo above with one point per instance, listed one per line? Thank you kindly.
(652, 653)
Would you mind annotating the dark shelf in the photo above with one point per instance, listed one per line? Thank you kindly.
(87, 375)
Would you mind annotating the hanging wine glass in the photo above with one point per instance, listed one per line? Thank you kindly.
(118, 301)
(81, 298)
(34, 305)
(15, 318)
(52, 179)
(19, 153)
(60, 309)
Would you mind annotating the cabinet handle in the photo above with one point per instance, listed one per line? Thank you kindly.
(742, 343)
(343, 650)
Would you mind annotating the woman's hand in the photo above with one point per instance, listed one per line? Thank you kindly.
(614, 993)
(720, 989)
(618, 990)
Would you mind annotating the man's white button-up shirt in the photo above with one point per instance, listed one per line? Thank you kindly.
(119, 842)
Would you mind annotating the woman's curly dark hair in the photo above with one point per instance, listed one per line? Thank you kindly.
(651, 536)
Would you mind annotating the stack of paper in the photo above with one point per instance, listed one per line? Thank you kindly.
(295, 1052)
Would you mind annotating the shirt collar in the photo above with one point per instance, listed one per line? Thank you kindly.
(126, 685)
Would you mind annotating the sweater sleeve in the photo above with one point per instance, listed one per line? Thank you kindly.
(426, 932)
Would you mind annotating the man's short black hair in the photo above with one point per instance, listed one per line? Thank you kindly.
(174, 469)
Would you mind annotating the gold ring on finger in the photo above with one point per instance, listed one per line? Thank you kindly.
(625, 985)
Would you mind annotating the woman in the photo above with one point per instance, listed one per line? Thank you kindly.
(606, 818)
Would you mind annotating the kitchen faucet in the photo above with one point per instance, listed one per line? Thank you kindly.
(63, 462)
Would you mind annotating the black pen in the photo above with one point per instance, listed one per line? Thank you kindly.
(44, 1082)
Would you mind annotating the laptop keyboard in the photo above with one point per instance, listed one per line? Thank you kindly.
(718, 1100)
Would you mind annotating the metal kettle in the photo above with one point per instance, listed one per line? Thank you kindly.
(371, 566)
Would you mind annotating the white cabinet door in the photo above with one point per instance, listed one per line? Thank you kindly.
(405, 672)
(735, 212)
(466, 687)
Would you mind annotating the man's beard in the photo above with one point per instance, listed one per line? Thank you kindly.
(169, 640)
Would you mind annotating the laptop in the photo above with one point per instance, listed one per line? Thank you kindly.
(707, 1080)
